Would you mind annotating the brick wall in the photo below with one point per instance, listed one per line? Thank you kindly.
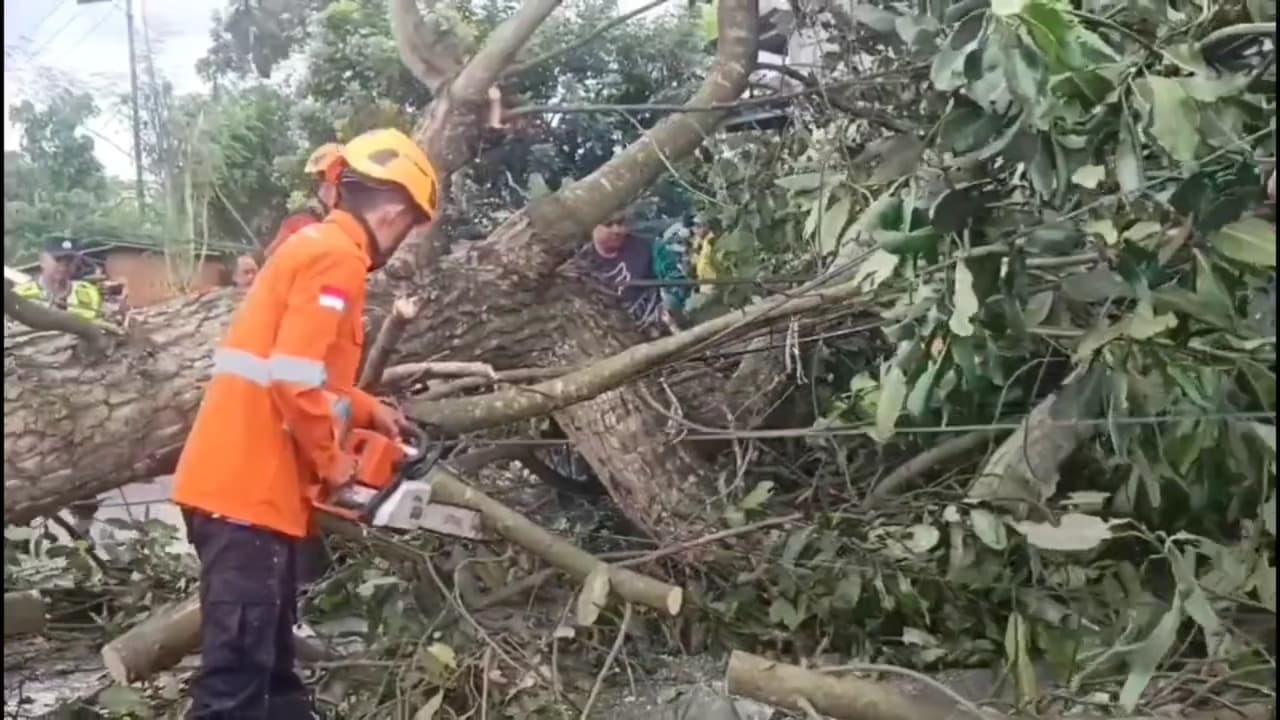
(147, 280)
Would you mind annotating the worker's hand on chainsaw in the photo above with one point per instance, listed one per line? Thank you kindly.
(390, 421)
(342, 472)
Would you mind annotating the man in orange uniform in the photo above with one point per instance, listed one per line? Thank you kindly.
(265, 432)
(325, 165)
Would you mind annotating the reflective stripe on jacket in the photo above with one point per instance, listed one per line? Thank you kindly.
(265, 430)
(84, 299)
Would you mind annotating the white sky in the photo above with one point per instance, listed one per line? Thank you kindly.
(87, 47)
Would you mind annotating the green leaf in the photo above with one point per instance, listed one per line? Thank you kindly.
(1017, 653)
(878, 19)
(782, 612)
(801, 182)
(893, 392)
(1089, 176)
(1251, 241)
(1129, 170)
(875, 269)
(834, 220)
(757, 497)
(989, 528)
(1145, 659)
(1007, 8)
(1073, 532)
(849, 590)
(918, 400)
(1210, 293)
(1175, 120)
(431, 707)
(965, 302)
(123, 701)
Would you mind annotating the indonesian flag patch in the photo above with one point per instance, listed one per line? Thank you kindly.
(333, 298)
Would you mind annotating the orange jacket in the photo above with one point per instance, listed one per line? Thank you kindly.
(265, 430)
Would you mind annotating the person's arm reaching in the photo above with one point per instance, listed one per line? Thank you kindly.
(318, 299)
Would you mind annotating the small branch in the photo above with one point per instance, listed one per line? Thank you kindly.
(448, 368)
(590, 37)
(608, 662)
(895, 482)
(402, 311)
(40, 317)
(444, 390)
(857, 110)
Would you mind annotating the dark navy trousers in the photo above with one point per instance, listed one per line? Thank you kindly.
(248, 607)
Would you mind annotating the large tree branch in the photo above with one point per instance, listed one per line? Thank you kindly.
(505, 406)
(588, 38)
(40, 317)
(426, 46)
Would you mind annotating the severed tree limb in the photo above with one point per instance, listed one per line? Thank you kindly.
(167, 636)
(793, 688)
(629, 585)
(41, 317)
(23, 613)
(1023, 471)
(902, 476)
(402, 311)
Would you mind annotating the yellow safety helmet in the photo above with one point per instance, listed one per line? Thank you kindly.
(322, 159)
(392, 157)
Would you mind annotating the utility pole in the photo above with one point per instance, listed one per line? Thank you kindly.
(140, 186)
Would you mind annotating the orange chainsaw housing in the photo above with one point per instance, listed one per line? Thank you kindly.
(378, 459)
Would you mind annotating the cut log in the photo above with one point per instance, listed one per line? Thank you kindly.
(23, 613)
(793, 688)
(171, 634)
(157, 643)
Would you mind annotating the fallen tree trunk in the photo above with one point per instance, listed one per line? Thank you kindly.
(76, 427)
(23, 613)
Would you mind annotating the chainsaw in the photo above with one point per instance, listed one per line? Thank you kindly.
(391, 485)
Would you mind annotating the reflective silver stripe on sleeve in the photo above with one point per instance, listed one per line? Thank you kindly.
(297, 371)
(229, 361)
(262, 371)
